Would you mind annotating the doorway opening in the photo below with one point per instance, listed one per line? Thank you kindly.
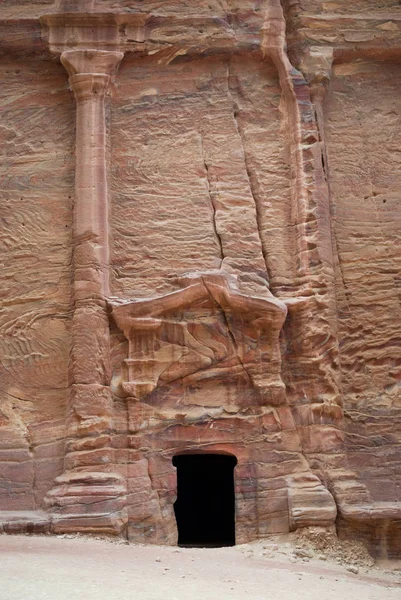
(205, 505)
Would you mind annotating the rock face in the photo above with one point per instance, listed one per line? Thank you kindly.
(200, 239)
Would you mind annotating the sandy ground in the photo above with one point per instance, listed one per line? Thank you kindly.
(75, 568)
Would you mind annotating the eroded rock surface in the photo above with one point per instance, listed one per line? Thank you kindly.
(200, 254)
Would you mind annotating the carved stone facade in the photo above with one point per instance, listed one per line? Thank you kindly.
(223, 275)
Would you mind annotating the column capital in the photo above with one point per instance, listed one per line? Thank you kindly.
(88, 85)
(99, 62)
(90, 71)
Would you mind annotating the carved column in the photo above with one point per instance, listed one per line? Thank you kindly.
(89, 457)
(90, 73)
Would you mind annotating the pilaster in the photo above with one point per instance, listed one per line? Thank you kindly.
(89, 460)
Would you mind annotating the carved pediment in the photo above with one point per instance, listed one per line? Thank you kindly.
(206, 329)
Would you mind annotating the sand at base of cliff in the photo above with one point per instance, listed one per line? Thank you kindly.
(280, 567)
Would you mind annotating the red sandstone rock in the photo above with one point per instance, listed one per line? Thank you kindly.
(223, 275)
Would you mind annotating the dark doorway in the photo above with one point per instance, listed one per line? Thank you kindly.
(205, 505)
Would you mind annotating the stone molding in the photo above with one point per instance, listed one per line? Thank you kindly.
(102, 31)
(90, 61)
(253, 325)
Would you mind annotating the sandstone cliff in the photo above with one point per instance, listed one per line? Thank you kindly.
(201, 251)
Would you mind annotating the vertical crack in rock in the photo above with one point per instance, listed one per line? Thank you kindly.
(320, 136)
(212, 202)
(341, 272)
(251, 179)
(323, 156)
(326, 171)
(229, 331)
(318, 89)
(318, 112)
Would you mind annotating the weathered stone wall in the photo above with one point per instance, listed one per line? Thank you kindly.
(200, 172)
(37, 170)
(363, 119)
